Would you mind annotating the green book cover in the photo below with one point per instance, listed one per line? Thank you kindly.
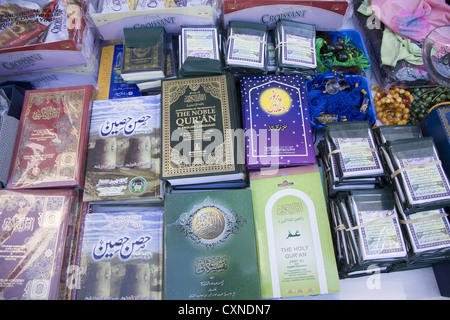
(210, 246)
(295, 248)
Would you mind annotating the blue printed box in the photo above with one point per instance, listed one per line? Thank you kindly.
(437, 125)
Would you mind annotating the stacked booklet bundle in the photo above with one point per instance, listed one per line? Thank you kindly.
(399, 225)
(350, 156)
(367, 231)
(296, 48)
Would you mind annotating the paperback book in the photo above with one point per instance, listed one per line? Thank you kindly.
(121, 253)
(33, 232)
(110, 83)
(123, 159)
(277, 122)
(200, 121)
(52, 138)
(209, 246)
(295, 248)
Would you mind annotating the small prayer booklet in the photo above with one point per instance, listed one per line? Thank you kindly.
(247, 46)
(296, 46)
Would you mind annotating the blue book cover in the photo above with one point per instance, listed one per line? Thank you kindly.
(276, 121)
(110, 83)
(123, 158)
(121, 253)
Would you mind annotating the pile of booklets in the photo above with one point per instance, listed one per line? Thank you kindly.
(399, 224)
(350, 156)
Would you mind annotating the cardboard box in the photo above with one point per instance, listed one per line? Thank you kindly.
(331, 13)
(63, 52)
(111, 24)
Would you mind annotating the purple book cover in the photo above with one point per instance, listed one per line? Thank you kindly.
(32, 238)
(276, 121)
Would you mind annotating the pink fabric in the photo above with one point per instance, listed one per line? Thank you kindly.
(412, 19)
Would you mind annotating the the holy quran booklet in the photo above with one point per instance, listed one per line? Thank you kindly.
(295, 247)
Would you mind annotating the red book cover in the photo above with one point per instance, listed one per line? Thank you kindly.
(33, 229)
(52, 138)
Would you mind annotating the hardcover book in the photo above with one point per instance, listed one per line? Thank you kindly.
(246, 50)
(209, 246)
(277, 122)
(170, 70)
(295, 248)
(144, 54)
(110, 83)
(200, 141)
(123, 159)
(33, 232)
(121, 253)
(52, 138)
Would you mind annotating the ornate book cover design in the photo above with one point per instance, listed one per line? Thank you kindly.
(32, 239)
(276, 120)
(52, 138)
(123, 161)
(121, 253)
(210, 248)
(144, 53)
(197, 127)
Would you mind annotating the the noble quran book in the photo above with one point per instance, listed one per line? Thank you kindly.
(209, 246)
(121, 253)
(33, 235)
(123, 160)
(52, 139)
(277, 121)
(144, 54)
(295, 248)
(201, 140)
(110, 83)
